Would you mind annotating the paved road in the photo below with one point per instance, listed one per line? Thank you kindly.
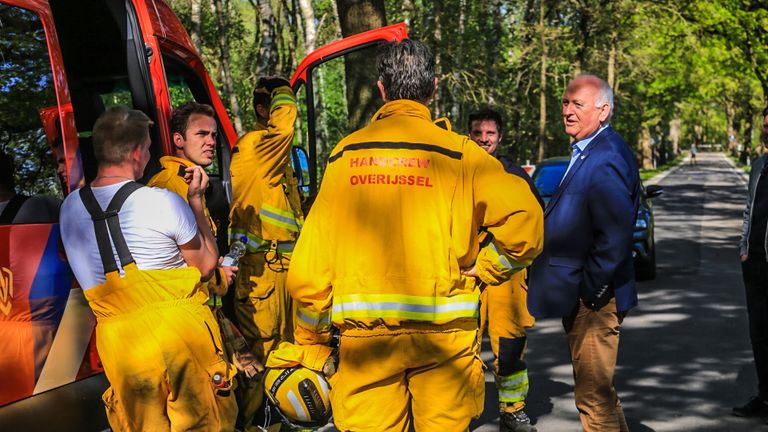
(685, 357)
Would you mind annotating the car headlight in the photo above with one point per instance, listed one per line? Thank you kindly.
(641, 224)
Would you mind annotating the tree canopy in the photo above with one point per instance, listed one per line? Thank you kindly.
(683, 72)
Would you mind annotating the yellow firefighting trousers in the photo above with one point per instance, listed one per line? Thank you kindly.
(162, 353)
(503, 311)
(264, 312)
(430, 378)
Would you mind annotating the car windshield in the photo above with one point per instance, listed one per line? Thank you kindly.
(547, 177)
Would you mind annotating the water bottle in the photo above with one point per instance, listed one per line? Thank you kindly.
(236, 251)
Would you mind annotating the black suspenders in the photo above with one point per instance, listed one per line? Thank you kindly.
(109, 218)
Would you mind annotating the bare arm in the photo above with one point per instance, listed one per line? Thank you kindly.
(201, 251)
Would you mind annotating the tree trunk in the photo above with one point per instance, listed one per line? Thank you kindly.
(674, 135)
(747, 146)
(356, 16)
(456, 64)
(542, 87)
(267, 61)
(584, 34)
(196, 17)
(225, 70)
(408, 11)
(730, 114)
(310, 31)
(646, 149)
(612, 58)
(494, 39)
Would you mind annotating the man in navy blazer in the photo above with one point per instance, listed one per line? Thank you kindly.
(585, 274)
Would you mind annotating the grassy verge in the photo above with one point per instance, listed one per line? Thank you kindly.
(738, 163)
(645, 174)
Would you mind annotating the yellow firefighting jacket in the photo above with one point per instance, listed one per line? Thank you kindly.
(266, 205)
(396, 220)
(169, 178)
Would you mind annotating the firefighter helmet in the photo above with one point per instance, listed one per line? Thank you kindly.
(300, 395)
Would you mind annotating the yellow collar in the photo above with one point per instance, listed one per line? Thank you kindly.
(171, 162)
(404, 107)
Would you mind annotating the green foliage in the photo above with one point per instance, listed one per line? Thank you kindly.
(26, 86)
(701, 64)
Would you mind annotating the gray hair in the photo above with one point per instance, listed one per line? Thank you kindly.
(407, 70)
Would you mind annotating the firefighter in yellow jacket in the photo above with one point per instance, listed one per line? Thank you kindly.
(193, 129)
(390, 255)
(503, 308)
(266, 216)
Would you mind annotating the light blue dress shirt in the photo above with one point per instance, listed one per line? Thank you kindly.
(579, 146)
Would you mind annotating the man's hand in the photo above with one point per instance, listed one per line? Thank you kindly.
(472, 271)
(197, 179)
(229, 272)
(743, 258)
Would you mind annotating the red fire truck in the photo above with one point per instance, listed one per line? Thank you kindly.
(62, 63)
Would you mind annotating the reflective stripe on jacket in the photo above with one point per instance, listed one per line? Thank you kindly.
(397, 219)
(265, 197)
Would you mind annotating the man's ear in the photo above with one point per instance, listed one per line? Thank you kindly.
(178, 141)
(434, 90)
(381, 91)
(605, 112)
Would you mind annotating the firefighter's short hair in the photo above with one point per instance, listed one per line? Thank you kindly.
(182, 113)
(486, 114)
(117, 132)
(407, 70)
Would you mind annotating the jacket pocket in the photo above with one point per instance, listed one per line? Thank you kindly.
(118, 420)
(574, 263)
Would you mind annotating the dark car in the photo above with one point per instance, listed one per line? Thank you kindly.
(547, 177)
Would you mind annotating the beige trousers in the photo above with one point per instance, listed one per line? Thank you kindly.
(593, 337)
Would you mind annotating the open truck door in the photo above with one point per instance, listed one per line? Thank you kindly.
(63, 63)
(323, 114)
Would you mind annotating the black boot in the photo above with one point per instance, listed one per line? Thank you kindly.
(517, 421)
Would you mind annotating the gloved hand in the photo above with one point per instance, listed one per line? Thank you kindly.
(272, 82)
(331, 364)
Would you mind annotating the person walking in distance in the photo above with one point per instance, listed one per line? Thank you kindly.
(503, 308)
(753, 249)
(585, 274)
(390, 256)
(140, 263)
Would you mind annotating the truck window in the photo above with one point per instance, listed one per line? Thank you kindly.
(30, 132)
(106, 64)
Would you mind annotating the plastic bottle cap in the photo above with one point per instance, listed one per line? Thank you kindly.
(218, 380)
(244, 239)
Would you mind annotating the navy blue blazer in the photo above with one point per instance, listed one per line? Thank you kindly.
(588, 227)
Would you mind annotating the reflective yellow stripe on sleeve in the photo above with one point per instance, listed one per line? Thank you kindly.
(502, 261)
(280, 218)
(405, 307)
(254, 243)
(313, 320)
(282, 99)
